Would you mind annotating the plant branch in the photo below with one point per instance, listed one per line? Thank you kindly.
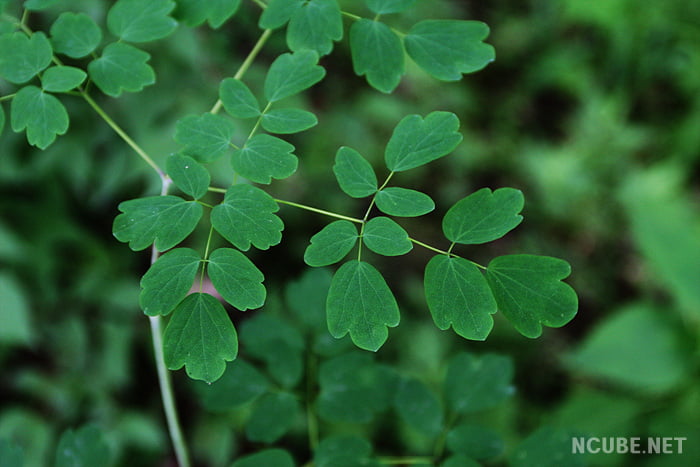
(319, 211)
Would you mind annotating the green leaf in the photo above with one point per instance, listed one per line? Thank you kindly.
(14, 313)
(459, 296)
(547, 447)
(236, 278)
(331, 244)
(384, 236)
(403, 202)
(266, 458)
(448, 48)
(494, 374)
(483, 216)
(382, 7)
(75, 34)
(167, 220)
(278, 12)
(290, 74)
(85, 447)
(418, 407)
(460, 460)
(416, 141)
(62, 78)
(38, 5)
(121, 67)
(354, 173)
(315, 26)
(10, 454)
(40, 113)
(217, 12)
(342, 451)
(274, 414)
(168, 280)
(139, 21)
(188, 175)
(238, 100)
(378, 53)
(263, 158)
(529, 292)
(246, 217)
(240, 384)
(361, 303)
(306, 298)
(201, 337)
(22, 57)
(288, 121)
(205, 137)
(475, 441)
(2, 119)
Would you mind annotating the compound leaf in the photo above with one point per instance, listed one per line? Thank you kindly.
(378, 53)
(278, 12)
(288, 121)
(266, 458)
(22, 57)
(62, 78)
(529, 291)
(475, 441)
(315, 25)
(236, 278)
(263, 158)
(361, 303)
(240, 383)
(342, 451)
(448, 48)
(206, 137)
(165, 220)
(273, 415)
(11, 455)
(238, 100)
(417, 141)
(384, 236)
(459, 296)
(40, 113)
(403, 202)
(290, 74)
(331, 244)
(354, 173)
(483, 216)
(382, 7)
(121, 67)
(246, 217)
(188, 175)
(418, 406)
(494, 374)
(139, 21)
(168, 280)
(75, 34)
(82, 448)
(217, 12)
(201, 337)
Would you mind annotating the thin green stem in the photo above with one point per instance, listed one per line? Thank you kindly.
(206, 258)
(7, 97)
(431, 248)
(215, 189)
(405, 460)
(351, 16)
(318, 211)
(258, 122)
(260, 4)
(204, 204)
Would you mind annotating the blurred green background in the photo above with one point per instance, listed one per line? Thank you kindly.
(592, 109)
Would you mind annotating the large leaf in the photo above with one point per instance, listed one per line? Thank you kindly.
(121, 67)
(529, 291)
(62, 78)
(418, 406)
(403, 202)
(354, 173)
(342, 451)
(11, 455)
(238, 99)
(384, 236)
(378, 53)
(40, 113)
(290, 74)
(361, 303)
(483, 216)
(476, 441)
(240, 384)
(139, 21)
(278, 12)
(331, 244)
(263, 158)
(459, 296)
(201, 337)
(236, 278)
(266, 458)
(246, 217)
(206, 137)
(75, 34)
(216, 12)
(382, 7)
(22, 57)
(448, 48)
(417, 141)
(476, 383)
(188, 175)
(165, 220)
(273, 415)
(288, 121)
(168, 281)
(85, 447)
(315, 26)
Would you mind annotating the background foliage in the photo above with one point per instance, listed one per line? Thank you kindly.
(591, 109)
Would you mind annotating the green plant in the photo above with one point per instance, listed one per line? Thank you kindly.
(357, 300)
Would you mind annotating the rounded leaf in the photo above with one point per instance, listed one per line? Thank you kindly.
(188, 175)
(354, 173)
(384, 236)
(403, 202)
(75, 34)
(236, 278)
(331, 244)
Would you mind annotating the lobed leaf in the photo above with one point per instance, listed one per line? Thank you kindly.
(483, 216)
(378, 53)
(216, 12)
(139, 21)
(274, 414)
(342, 451)
(494, 374)
(246, 217)
(385, 237)
(82, 448)
(263, 158)
(382, 7)
(417, 141)
(266, 458)
(201, 337)
(448, 48)
(331, 244)
(165, 220)
(188, 175)
(418, 407)
(458, 295)
(22, 57)
(403, 202)
(475, 441)
(288, 121)
(236, 278)
(168, 280)
(40, 113)
(354, 173)
(121, 67)
(315, 25)
(529, 291)
(205, 137)
(290, 74)
(361, 303)
(238, 100)
(278, 12)
(62, 78)
(75, 34)
(240, 384)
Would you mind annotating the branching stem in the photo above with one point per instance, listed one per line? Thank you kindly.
(318, 211)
